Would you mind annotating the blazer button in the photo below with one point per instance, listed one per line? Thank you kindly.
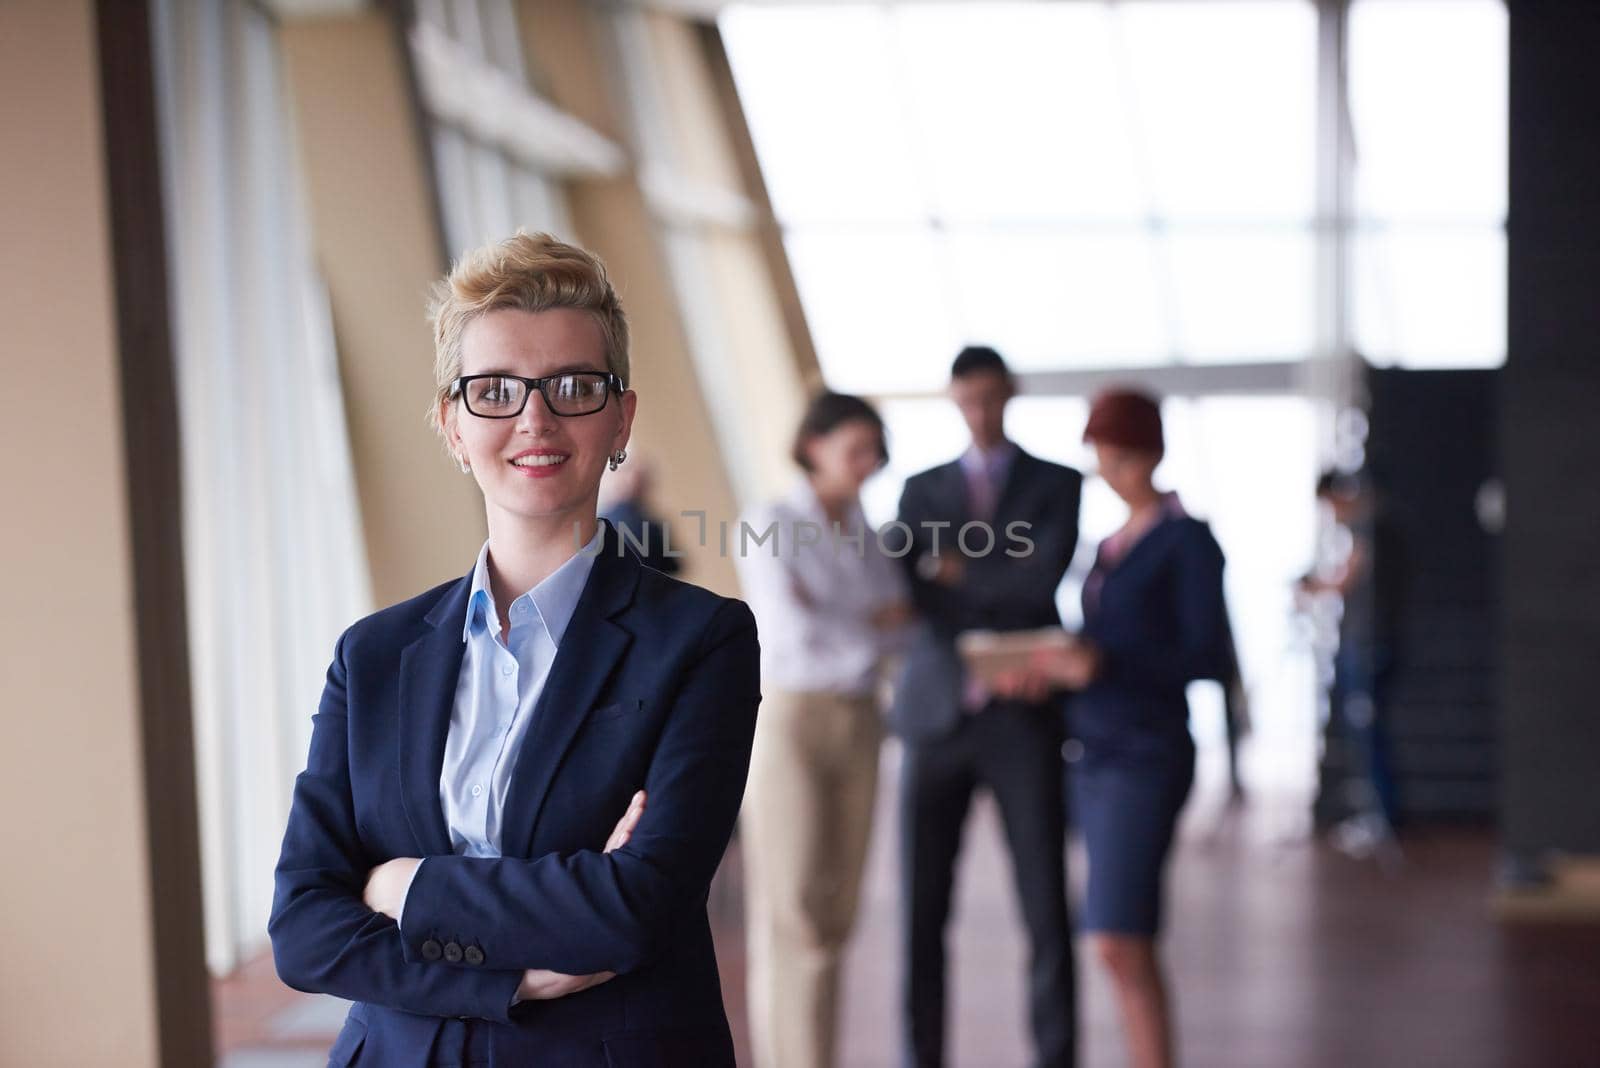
(472, 955)
(431, 950)
(452, 953)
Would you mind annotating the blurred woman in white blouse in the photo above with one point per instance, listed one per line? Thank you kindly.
(829, 603)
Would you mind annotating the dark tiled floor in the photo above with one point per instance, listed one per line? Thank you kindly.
(1285, 953)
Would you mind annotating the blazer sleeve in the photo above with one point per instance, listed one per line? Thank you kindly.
(324, 938)
(940, 605)
(584, 911)
(1202, 648)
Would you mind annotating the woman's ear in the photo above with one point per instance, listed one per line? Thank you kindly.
(630, 405)
(447, 421)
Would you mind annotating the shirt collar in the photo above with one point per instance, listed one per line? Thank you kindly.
(554, 600)
(993, 461)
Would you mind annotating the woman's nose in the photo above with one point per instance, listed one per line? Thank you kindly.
(536, 417)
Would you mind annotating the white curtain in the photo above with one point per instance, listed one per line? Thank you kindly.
(274, 557)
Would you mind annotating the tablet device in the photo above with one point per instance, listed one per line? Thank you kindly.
(989, 653)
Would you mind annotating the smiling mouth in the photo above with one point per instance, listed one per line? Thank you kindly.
(546, 460)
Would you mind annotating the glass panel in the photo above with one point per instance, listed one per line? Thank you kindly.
(502, 41)
(1242, 295)
(1016, 108)
(1428, 101)
(1260, 506)
(825, 112)
(1226, 104)
(879, 308)
(491, 190)
(1064, 299)
(921, 433)
(455, 189)
(539, 204)
(433, 13)
(466, 26)
(1431, 298)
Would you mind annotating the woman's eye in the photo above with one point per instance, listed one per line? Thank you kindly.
(495, 392)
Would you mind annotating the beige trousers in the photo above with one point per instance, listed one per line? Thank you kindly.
(803, 830)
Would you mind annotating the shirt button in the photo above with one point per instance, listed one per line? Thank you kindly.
(508, 669)
(477, 791)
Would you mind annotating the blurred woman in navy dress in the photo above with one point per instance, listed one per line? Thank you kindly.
(1154, 621)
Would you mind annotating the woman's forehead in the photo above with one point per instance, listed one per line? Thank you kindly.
(532, 344)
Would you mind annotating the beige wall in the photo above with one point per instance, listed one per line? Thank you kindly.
(376, 243)
(76, 974)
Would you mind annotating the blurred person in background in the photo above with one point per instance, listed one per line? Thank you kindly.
(520, 782)
(1153, 621)
(626, 492)
(957, 735)
(1368, 579)
(831, 604)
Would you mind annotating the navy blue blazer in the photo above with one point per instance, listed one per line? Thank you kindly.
(999, 592)
(655, 686)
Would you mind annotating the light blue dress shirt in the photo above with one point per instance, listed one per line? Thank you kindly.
(499, 685)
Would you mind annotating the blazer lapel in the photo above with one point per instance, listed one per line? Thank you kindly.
(957, 500)
(1016, 483)
(590, 650)
(429, 668)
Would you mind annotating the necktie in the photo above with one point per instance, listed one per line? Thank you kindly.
(981, 489)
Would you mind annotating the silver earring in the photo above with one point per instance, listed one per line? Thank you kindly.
(616, 459)
(465, 467)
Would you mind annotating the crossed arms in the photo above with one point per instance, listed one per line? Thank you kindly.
(575, 915)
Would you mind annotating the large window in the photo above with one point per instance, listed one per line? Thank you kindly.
(493, 176)
(1140, 183)
(1428, 102)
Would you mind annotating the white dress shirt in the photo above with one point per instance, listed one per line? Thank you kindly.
(814, 603)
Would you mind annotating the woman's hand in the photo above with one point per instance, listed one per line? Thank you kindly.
(630, 819)
(1022, 684)
(387, 884)
(893, 616)
(1073, 667)
(542, 984)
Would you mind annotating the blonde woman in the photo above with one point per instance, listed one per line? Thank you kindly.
(454, 862)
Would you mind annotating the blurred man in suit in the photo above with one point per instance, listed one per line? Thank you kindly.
(957, 736)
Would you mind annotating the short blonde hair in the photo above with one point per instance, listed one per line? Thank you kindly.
(527, 272)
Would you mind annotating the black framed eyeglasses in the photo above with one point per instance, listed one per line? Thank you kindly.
(504, 396)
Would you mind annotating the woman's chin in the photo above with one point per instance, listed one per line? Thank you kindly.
(543, 504)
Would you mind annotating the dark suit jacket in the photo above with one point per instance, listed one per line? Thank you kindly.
(655, 686)
(646, 535)
(998, 592)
